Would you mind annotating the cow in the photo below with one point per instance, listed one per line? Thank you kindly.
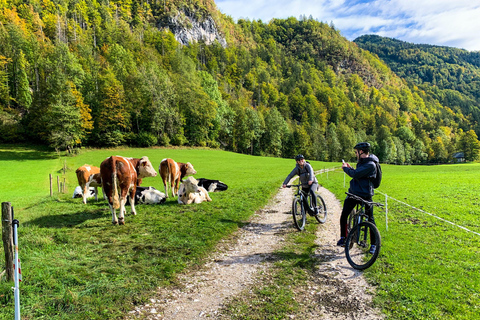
(190, 192)
(88, 176)
(148, 195)
(119, 176)
(212, 185)
(78, 192)
(173, 172)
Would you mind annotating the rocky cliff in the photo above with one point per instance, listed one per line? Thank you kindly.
(187, 27)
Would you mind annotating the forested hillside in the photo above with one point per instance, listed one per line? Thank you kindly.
(105, 73)
(450, 75)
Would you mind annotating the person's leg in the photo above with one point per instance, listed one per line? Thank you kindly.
(348, 206)
(369, 212)
(314, 188)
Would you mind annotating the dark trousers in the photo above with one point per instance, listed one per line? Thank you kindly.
(348, 205)
(310, 189)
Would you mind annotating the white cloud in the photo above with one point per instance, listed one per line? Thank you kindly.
(437, 22)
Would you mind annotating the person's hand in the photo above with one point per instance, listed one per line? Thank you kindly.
(284, 186)
(310, 183)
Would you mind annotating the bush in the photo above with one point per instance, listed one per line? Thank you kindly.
(146, 139)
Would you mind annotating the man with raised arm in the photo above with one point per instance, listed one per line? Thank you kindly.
(360, 185)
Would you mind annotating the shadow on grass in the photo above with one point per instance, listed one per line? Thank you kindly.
(26, 152)
(68, 220)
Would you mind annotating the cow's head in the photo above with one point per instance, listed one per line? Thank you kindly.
(145, 168)
(191, 185)
(190, 170)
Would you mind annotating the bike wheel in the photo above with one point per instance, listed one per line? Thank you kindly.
(298, 214)
(321, 209)
(357, 245)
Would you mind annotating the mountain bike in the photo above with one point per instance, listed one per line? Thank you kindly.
(299, 211)
(363, 242)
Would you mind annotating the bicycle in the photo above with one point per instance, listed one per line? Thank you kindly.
(298, 210)
(363, 242)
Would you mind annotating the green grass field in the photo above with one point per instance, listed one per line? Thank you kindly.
(77, 265)
(428, 269)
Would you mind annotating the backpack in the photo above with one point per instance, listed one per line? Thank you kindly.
(378, 178)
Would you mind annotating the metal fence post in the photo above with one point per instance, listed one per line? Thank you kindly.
(17, 267)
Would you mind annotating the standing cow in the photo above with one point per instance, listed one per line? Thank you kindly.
(88, 176)
(173, 172)
(120, 175)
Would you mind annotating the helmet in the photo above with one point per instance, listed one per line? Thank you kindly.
(364, 146)
(299, 157)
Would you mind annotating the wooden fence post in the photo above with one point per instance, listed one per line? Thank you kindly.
(51, 190)
(7, 238)
(58, 184)
(64, 185)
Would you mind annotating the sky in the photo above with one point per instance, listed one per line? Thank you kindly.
(453, 23)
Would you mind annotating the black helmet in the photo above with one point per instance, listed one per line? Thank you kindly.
(364, 146)
(299, 157)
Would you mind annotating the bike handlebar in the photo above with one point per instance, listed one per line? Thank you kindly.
(376, 204)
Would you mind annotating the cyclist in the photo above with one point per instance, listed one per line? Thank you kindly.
(361, 186)
(308, 180)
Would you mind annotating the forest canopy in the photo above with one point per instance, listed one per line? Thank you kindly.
(103, 73)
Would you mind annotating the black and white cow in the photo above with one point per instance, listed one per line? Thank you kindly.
(78, 192)
(212, 185)
(148, 195)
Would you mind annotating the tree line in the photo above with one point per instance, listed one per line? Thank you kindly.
(106, 73)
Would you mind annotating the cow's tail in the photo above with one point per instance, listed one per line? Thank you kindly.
(116, 202)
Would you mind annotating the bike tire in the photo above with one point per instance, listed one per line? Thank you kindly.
(358, 243)
(298, 214)
(321, 209)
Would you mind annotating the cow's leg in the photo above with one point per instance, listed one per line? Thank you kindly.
(96, 193)
(114, 216)
(121, 216)
(85, 190)
(132, 201)
(165, 186)
(177, 186)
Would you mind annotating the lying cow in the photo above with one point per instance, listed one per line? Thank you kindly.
(212, 185)
(190, 192)
(78, 192)
(88, 176)
(148, 195)
(120, 175)
(173, 172)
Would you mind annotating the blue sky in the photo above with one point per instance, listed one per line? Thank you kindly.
(454, 23)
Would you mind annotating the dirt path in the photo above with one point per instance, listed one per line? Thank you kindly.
(238, 261)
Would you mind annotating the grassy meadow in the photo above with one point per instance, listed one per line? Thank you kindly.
(77, 265)
(427, 269)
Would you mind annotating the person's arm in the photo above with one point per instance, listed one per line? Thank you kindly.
(290, 176)
(311, 174)
(360, 172)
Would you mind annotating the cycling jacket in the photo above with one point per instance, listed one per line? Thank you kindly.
(306, 174)
(361, 185)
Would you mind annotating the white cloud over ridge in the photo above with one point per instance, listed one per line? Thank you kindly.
(436, 22)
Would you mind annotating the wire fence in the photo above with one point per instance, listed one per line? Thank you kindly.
(407, 205)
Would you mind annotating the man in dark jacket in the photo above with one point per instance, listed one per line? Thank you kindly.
(360, 185)
(307, 178)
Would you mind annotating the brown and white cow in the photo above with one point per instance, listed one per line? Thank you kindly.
(88, 176)
(190, 192)
(173, 172)
(119, 176)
